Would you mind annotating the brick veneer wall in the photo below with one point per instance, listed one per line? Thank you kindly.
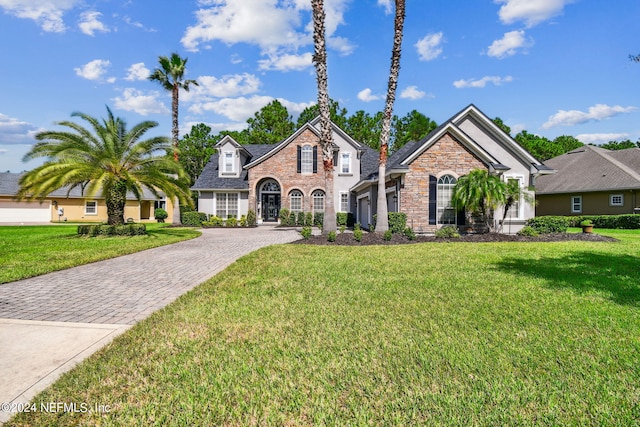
(447, 154)
(283, 168)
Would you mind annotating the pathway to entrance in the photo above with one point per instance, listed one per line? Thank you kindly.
(49, 323)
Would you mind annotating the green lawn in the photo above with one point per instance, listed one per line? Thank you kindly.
(430, 334)
(27, 251)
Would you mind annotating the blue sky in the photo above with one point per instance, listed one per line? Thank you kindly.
(552, 67)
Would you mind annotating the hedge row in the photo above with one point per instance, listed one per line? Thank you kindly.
(201, 219)
(94, 230)
(559, 224)
(397, 221)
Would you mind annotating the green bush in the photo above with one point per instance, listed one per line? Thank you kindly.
(387, 235)
(300, 219)
(357, 226)
(586, 223)
(308, 219)
(251, 218)
(447, 232)
(232, 221)
(214, 221)
(549, 224)
(624, 222)
(528, 231)
(94, 230)
(306, 232)
(409, 233)
(331, 236)
(318, 219)
(194, 219)
(292, 219)
(284, 216)
(357, 234)
(342, 228)
(160, 214)
(243, 221)
(397, 222)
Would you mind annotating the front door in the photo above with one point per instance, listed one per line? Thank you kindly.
(271, 207)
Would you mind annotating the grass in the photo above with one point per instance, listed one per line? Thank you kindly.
(29, 251)
(429, 334)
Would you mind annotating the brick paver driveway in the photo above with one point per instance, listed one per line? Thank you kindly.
(129, 288)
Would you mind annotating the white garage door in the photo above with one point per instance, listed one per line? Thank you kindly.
(25, 212)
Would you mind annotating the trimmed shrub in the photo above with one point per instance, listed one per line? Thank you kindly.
(447, 232)
(331, 236)
(284, 216)
(357, 226)
(243, 221)
(527, 231)
(306, 232)
(251, 218)
(214, 221)
(549, 224)
(300, 219)
(232, 221)
(194, 219)
(624, 222)
(160, 214)
(388, 235)
(318, 219)
(409, 233)
(94, 230)
(397, 222)
(342, 228)
(292, 219)
(357, 234)
(308, 219)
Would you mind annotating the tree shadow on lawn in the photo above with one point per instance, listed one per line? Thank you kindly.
(617, 275)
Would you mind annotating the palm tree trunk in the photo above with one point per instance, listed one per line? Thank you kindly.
(174, 113)
(382, 221)
(326, 135)
(116, 198)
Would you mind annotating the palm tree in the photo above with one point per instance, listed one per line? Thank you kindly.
(326, 135)
(382, 222)
(170, 75)
(479, 193)
(106, 159)
(513, 194)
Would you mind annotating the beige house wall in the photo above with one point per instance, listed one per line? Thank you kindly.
(593, 203)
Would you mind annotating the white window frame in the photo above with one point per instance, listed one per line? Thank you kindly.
(520, 203)
(576, 201)
(306, 159)
(229, 164)
(440, 198)
(219, 209)
(317, 195)
(345, 160)
(296, 194)
(613, 196)
(88, 211)
(344, 201)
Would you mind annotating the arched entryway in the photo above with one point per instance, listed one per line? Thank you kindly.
(269, 200)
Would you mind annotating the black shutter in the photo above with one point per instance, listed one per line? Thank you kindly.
(462, 218)
(433, 201)
(299, 159)
(315, 159)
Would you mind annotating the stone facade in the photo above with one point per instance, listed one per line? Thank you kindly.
(446, 155)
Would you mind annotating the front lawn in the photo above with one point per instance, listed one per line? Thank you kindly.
(29, 251)
(426, 334)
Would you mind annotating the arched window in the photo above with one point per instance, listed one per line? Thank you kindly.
(446, 213)
(295, 201)
(270, 187)
(306, 159)
(318, 201)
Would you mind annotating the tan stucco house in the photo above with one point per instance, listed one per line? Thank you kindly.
(71, 206)
(591, 181)
(419, 181)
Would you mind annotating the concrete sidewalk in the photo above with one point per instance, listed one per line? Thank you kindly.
(50, 323)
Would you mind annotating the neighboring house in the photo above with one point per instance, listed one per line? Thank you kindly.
(420, 176)
(591, 181)
(75, 206)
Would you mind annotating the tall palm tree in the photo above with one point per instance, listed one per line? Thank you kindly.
(106, 158)
(170, 75)
(479, 193)
(382, 222)
(513, 194)
(326, 135)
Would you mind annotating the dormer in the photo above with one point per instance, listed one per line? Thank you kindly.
(231, 157)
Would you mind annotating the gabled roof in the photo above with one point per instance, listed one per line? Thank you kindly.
(229, 140)
(591, 168)
(10, 184)
(210, 176)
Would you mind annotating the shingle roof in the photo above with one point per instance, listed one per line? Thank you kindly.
(10, 184)
(591, 168)
(210, 176)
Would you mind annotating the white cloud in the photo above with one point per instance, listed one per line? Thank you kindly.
(342, 45)
(386, 4)
(139, 102)
(480, 83)
(601, 138)
(240, 109)
(509, 44)
(94, 70)
(430, 46)
(47, 14)
(531, 12)
(137, 72)
(366, 95)
(412, 92)
(89, 23)
(596, 113)
(287, 62)
(227, 86)
(14, 131)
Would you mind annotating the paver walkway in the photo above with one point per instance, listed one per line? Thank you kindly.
(127, 289)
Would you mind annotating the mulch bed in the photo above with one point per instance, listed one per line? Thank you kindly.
(347, 239)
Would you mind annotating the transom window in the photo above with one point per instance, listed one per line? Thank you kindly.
(616, 200)
(446, 213)
(576, 204)
(306, 159)
(295, 201)
(227, 205)
(345, 162)
(228, 162)
(270, 187)
(318, 201)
